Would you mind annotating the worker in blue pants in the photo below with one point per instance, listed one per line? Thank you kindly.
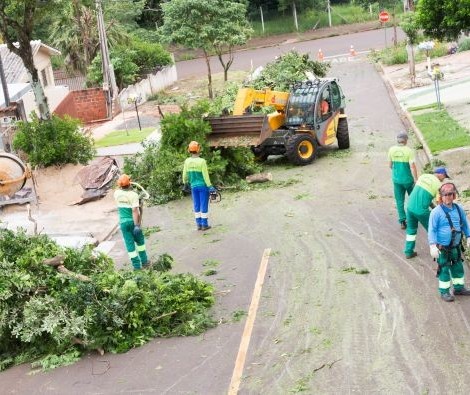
(195, 174)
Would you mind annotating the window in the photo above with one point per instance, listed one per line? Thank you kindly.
(336, 95)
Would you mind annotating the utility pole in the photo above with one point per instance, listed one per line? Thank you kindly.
(329, 12)
(109, 80)
(4, 84)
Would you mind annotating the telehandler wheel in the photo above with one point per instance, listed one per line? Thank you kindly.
(342, 134)
(301, 149)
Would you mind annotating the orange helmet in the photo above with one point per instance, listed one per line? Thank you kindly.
(124, 180)
(194, 147)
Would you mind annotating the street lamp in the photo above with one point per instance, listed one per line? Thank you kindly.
(134, 98)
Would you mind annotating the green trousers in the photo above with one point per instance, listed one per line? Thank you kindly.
(450, 272)
(399, 191)
(135, 245)
(412, 222)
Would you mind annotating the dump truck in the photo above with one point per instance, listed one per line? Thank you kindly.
(311, 115)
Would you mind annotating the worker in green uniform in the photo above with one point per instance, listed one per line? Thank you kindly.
(129, 220)
(404, 174)
(195, 174)
(418, 210)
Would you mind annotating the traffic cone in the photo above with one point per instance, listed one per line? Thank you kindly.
(352, 51)
(320, 55)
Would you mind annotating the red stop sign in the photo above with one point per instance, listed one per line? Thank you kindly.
(384, 16)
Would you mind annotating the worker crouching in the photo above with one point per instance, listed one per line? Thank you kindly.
(195, 174)
(129, 220)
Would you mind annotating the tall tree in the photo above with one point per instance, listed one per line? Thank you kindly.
(75, 30)
(443, 18)
(411, 29)
(209, 25)
(17, 20)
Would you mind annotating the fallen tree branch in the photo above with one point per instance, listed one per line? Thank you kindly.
(164, 315)
(58, 263)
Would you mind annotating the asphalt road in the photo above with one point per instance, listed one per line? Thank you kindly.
(332, 46)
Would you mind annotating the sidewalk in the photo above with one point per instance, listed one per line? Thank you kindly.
(454, 96)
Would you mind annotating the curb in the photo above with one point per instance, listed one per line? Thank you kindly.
(405, 116)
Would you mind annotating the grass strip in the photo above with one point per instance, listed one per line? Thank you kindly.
(440, 131)
(120, 137)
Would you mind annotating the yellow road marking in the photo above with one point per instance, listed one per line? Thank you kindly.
(250, 321)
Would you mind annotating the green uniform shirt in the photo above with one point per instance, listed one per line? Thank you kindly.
(401, 157)
(126, 200)
(424, 191)
(195, 172)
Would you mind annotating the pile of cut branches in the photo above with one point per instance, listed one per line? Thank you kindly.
(57, 303)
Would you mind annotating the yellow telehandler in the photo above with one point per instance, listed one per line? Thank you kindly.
(310, 115)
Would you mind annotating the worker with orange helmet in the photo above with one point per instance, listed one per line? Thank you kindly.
(129, 220)
(195, 174)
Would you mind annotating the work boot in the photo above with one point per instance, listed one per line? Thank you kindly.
(403, 224)
(206, 227)
(412, 255)
(462, 291)
(447, 297)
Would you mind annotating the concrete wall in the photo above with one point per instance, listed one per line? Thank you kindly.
(88, 105)
(54, 94)
(152, 84)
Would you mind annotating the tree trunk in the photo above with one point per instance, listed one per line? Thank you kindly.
(260, 177)
(411, 62)
(226, 66)
(22, 34)
(209, 74)
(39, 95)
(395, 37)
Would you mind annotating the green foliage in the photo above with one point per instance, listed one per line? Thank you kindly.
(312, 17)
(149, 56)
(53, 142)
(464, 45)
(410, 27)
(131, 61)
(50, 318)
(215, 26)
(391, 55)
(159, 167)
(443, 18)
(398, 54)
(287, 69)
(125, 70)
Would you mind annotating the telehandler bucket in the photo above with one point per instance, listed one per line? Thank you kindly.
(239, 130)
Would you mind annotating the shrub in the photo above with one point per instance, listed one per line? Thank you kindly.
(464, 45)
(53, 142)
(159, 167)
(149, 56)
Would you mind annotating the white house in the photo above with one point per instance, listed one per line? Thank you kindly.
(16, 73)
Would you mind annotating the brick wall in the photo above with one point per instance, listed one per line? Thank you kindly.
(88, 105)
